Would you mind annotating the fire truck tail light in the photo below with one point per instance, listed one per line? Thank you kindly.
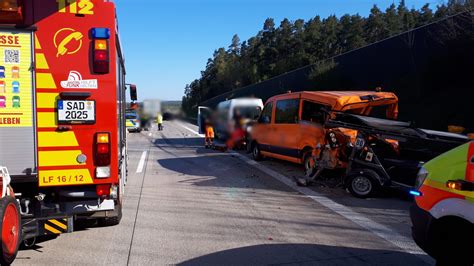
(102, 172)
(102, 137)
(100, 56)
(101, 67)
(100, 53)
(103, 190)
(102, 149)
(100, 45)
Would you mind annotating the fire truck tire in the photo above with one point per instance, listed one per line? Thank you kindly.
(362, 184)
(114, 220)
(11, 229)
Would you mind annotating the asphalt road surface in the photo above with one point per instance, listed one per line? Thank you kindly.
(188, 205)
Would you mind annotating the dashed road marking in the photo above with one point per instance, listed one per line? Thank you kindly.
(141, 163)
(382, 231)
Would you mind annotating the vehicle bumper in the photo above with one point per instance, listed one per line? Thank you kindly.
(133, 129)
(421, 222)
(88, 206)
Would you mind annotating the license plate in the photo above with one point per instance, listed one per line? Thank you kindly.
(76, 112)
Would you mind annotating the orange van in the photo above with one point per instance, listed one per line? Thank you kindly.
(291, 125)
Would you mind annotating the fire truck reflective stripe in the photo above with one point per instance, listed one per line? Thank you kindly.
(45, 81)
(64, 177)
(46, 100)
(57, 139)
(41, 62)
(37, 44)
(51, 229)
(47, 119)
(58, 158)
(59, 224)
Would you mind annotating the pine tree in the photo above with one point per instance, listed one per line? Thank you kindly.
(235, 45)
(375, 26)
(393, 23)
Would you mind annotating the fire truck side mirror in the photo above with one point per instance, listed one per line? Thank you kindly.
(133, 92)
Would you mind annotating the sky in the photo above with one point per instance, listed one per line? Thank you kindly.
(167, 42)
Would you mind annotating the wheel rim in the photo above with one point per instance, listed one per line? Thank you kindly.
(10, 229)
(361, 185)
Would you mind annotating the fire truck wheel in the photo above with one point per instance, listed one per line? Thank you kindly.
(361, 184)
(11, 229)
(114, 220)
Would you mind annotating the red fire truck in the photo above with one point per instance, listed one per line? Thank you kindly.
(62, 126)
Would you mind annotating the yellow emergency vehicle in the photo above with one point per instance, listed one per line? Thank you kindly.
(443, 216)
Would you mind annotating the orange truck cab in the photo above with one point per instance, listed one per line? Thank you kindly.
(65, 145)
(290, 126)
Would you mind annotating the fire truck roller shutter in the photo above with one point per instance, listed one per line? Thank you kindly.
(17, 117)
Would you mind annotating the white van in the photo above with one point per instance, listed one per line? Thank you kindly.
(223, 118)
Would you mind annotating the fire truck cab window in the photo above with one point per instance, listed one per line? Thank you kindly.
(266, 117)
(312, 112)
(287, 111)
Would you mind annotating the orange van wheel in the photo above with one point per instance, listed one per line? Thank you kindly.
(257, 156)
(308, 163)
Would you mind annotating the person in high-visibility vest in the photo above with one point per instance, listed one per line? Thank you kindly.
(159, 121)
(443, 215)
(209, 136)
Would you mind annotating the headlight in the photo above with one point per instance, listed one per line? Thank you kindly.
(420, 178)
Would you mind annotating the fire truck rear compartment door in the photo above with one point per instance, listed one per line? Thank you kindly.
(17, 119)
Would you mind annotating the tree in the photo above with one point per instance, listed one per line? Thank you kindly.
(352, 34)
(407, 19)
(426, 15)
(375, 26)
(235, 45)
(393, 22)
(293, 44)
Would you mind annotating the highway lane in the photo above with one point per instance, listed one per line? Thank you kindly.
(188, 205)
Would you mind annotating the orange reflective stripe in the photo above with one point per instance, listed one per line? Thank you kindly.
(470, 163)
(431, 196)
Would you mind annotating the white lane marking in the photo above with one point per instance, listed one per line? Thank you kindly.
(405, 243)
(141, 164)
(382, 231)
(190, 130)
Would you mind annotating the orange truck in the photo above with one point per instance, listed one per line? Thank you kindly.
(62, 127)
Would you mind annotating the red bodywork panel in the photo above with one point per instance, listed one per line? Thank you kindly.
(470, 163)
(63, 50)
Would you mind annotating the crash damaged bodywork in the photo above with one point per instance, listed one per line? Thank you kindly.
(377, 152)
